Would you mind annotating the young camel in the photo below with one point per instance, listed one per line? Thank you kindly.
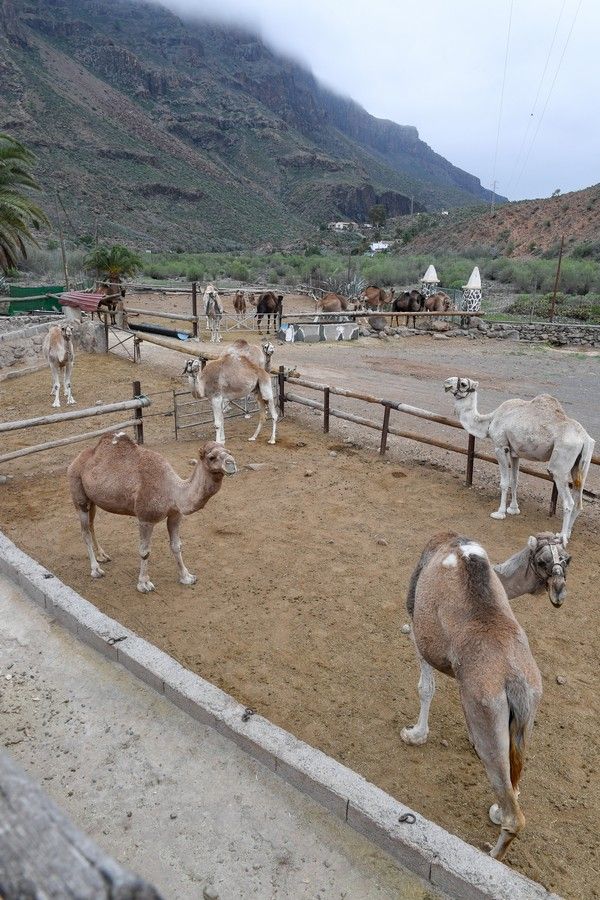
(213, 310)
(232, 377)
(120, 477)
(463, 626)
(535, 429)
(58, 350)
(542, 565)
(239, 306)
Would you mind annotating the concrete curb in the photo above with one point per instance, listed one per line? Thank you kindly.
(448, 863)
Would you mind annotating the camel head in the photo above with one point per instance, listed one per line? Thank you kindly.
(67, 331)
(192, 367)
(217, 459)
(268, 349)
(460, 387)
(549, 560)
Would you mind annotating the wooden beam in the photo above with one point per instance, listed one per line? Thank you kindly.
(62, 442)
(75, 414)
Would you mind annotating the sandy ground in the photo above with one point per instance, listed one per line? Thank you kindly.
(303, 566)
(126, 765)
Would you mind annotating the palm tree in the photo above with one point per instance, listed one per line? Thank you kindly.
(18, 213)
(113, 263)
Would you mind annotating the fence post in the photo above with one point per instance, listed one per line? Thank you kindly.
(136, 350)
(384, 430)
(470, 459)
(281, 390)
(106, 329)
(195, 308)
(553, 501)
(138, 428)
(326, 410)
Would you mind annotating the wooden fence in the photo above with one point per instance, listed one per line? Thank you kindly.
(135, 405)
(385, 428)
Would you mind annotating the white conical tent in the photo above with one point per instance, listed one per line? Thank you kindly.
(430, 276)
(474, 282)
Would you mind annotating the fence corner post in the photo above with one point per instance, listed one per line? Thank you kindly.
(138, 428)
(326, 410)
(281, 390)
(470, 460)
(195, 308)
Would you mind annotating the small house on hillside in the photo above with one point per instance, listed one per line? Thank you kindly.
(343, 226)
(379, 246)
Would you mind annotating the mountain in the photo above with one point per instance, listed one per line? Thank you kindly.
(168, 133)
(522, 228)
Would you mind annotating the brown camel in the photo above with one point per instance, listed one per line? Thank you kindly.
(120, 477)
(377, 298)
(463, 626)
(332, 303)
(408, 302)
(239, 305)
(439, 302)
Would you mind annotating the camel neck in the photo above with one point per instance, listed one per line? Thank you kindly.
(517, 575)
(198, 489)
(471, 420)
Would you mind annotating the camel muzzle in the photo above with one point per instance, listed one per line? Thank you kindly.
(229, 466)
(557, 590)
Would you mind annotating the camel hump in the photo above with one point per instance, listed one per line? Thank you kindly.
(121, 437)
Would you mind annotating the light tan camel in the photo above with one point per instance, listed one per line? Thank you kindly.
(463, 626)
(213, 310)
(233, 376)
(120, 477)
(376, 298)
(260, 356)
(439, 302)
(58, 350)
(535, 429)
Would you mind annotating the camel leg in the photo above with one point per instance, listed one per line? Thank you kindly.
(417, 734)
(55, 386)
(86, 533)
(261, 414)
(488, 727)
(513, 509)
(173, 523)
(502, 454)
(144, 584)
(570, 511)
(101, 556)
(217, 407)
(67, 382)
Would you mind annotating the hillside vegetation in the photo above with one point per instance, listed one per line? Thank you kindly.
(163, 133)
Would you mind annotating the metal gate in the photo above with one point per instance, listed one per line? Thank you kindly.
(191, 413)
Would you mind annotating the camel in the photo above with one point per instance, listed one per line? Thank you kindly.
(260, 356)
(332, 303)
(463, 626)
(542, 565)
(408, 302)
(58, 350)
(535, 429)
(114, 294)
(269, 304)
(376, 298)
(120, 477)
(233, 376)
(439, 302)
(239, 306)
(213, 310)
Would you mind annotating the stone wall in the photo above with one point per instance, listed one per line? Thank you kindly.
(21, 348)
(558, 334)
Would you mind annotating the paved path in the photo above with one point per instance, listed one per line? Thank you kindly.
(167, 797)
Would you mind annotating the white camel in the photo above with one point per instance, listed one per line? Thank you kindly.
(233, 376)
(120, 477)
(58, 350)
(535, 429)
(213, 310)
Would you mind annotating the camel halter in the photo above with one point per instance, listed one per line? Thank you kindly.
(459, 394)
(559, 566)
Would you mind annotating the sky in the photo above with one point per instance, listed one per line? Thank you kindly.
(505, 89)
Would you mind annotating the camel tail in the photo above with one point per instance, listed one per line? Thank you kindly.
(521, 710)
(581, 467)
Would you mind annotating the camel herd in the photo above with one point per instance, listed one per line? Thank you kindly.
(266, 304)
(462, 623)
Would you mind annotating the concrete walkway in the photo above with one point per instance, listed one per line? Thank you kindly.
(167, 797)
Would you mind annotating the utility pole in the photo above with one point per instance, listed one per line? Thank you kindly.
(412, 205)
(493, 203)
(61, 238)
(556, 280)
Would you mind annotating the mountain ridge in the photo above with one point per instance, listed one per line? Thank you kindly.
(170, 133)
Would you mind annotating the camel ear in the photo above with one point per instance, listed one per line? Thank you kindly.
(532, 542)
(474, 384)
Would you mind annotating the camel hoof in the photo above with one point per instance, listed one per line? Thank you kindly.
(251, 439)
(272, 441)
(497, 515)
(144, 587)
(72, 400)
(103, 557)
(495, 814)
(513, 511)
(413, 737)
(188, 579)
(56, 405)
(98, 573)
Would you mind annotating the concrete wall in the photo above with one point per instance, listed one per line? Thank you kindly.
(21, 347)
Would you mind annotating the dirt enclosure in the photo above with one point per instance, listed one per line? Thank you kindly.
(303, 565)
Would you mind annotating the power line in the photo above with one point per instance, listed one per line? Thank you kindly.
(537, 97)
(501, 103)
(564, 50)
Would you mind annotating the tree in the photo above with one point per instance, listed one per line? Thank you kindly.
(18, 213)
(113, 263)
(556, 193)
(378, 214)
